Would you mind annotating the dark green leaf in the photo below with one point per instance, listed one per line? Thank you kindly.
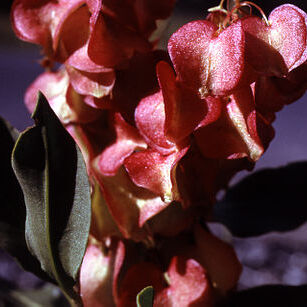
(13, 209)
(51, 171)
(269, 296)
(268, 200)
(146, 297)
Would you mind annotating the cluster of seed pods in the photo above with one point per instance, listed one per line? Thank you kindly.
(162, 132)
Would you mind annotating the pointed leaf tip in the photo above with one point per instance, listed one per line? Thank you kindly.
(52, 174)
(145, 298)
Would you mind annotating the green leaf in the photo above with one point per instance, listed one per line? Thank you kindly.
(13, 209)
(146, 297)
(268, 200)
(51, 171)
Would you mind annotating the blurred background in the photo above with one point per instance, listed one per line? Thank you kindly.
(274, 258)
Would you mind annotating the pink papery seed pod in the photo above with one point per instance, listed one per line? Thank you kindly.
(200, 178)
(132, 205)
(167, 118)
(88, 78)
(130, 22)
(239, 132)
(189, 285)
(102, 223)
(48, 24)
(184, 110)
(127, 141)
(280, 45)
(139, 75)
(272, 93)
(155, 172)
(127, 203)
(206, 59)
(64, 100)
(96, 275)
(137, 183)
(63, 29)
(182, 280)
(150, 121)
(219, 259)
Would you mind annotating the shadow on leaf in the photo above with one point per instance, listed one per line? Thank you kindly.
(268, 296)
(268, 200)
